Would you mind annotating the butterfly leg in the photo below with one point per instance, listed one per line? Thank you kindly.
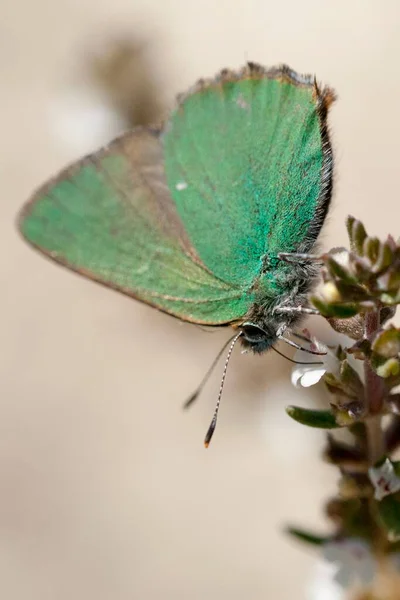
(304, 310)
(291, 257)
(302, 337)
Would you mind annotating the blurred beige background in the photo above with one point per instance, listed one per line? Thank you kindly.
(106, 491)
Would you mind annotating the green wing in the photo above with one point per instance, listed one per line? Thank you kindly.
(111, 218)
(184, 220)
(248, 163)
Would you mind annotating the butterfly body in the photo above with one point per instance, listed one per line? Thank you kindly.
(265, 321)
(192, 218)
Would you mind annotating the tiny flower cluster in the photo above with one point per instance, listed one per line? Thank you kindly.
(361, 371)
(359, 279)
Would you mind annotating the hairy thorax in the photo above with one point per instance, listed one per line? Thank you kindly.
(276, 306)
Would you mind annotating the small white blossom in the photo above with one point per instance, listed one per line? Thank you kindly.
(353, 561)
(306, 375)
(310, 374)
(344, 564)
(384, 479)
(322, 585)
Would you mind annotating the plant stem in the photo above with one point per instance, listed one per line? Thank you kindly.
(373, 383)
(376, 442)
(374, 392)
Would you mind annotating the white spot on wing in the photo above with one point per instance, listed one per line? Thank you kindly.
(240, 101)
(181, 185)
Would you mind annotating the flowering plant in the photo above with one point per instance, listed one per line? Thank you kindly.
(361, 371)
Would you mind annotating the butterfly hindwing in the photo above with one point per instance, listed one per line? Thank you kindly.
(111, 218)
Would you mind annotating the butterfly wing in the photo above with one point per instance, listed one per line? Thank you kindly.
(183, 220)
(111, 218)
(249, 165)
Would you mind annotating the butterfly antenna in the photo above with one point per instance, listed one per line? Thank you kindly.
(294, 345)
(213, 423)
(297, 362)
(203, 382)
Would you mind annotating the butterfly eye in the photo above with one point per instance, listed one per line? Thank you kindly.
(253, 334)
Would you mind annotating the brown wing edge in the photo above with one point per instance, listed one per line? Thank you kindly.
(67, 172)
(324, 99)
(254, 70)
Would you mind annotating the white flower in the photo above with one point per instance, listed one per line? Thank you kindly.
(344, 564)
(322, 585)
(352, 560)
(384, 479)
(305, 375)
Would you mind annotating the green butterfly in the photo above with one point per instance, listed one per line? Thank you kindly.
(198, 218)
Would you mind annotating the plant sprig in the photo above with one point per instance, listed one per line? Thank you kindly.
(358, 296)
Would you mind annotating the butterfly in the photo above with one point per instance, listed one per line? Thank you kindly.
(209, 218)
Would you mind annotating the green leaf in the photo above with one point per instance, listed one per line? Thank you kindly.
(338, 270)
(371, 248)
(307, 536)
(361, 268)
(352, 293)
(341, 311)
(385, 258)
(357, 234)
(344, 311)
(321, 419)
(389, 282)
(351, 380)
(389, 513)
